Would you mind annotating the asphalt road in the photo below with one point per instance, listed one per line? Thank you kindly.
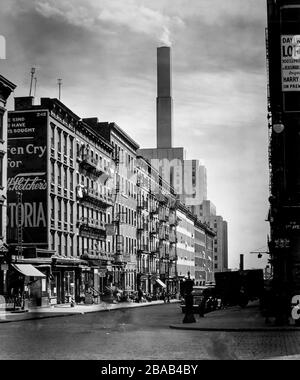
(134, 334)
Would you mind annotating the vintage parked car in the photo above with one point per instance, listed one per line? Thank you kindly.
(199, 292)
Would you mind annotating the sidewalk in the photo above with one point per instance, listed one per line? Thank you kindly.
(234, 319)
(66, 310)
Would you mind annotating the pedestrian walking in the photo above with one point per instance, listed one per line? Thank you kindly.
(140, 294)
(202, 305)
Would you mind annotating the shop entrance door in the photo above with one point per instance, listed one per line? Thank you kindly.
(69, 286)
(55, 286)
(35, 293)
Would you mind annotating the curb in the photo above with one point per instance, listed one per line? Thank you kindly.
(38, 317)
(41, 316)
(232, 329)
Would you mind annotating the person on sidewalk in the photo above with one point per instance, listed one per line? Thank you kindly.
(202, 305)
(140, 294)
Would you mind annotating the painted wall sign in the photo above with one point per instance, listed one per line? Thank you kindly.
(27, 175)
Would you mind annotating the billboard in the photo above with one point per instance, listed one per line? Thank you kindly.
(290, 62)
(27, 177)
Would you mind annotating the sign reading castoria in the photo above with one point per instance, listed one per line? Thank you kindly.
(290, 62)
(27, 176)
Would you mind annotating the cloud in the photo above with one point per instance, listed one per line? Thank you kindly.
(132, 15)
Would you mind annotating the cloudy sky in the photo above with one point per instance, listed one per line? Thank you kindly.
(105, 53)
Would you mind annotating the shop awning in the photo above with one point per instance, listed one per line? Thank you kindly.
(28, 270)
(161, 283)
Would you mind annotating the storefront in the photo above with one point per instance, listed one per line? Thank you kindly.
(142, 282)
(66, 280)
(118, 276)
(27, 285)
(95, 278)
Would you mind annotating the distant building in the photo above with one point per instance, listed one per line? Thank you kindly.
(156, 234)
(195, 183)
(220, 254)
(203, 210)
(203, 253)
(185, 243)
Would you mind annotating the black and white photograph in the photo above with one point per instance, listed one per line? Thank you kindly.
(149, 183)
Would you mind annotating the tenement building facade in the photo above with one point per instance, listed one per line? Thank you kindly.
(203, 253)
(185, 243)
(95, 200)
(124, 210)
(156, 236)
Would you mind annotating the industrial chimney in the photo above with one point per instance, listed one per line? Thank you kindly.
(164, 113)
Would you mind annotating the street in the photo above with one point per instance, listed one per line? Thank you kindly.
(135, 334)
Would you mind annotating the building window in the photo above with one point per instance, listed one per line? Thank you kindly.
(65, 211)
(71, 213)
(1, 171)
(66, 245)
(59, 175)
(52, 208)
(53, 240)
(216, 258)
(71, 147)
(59, 209)
(1, 126)
(52, 174)
(216, 266)
(71, 181)
(65, 178)
(65, 144)
(63, 244)
(59, 244)
(1, 223)
(59, 141)
(71, 245)
(52, 136)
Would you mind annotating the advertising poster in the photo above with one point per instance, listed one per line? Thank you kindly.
(27, 177)
(290, 62)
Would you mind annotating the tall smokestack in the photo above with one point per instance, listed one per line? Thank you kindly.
(164, 100)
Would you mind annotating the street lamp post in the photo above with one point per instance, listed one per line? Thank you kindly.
(189, 301)
(119, 238)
